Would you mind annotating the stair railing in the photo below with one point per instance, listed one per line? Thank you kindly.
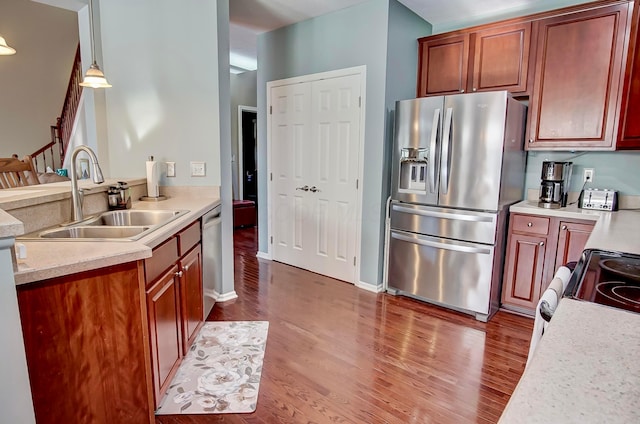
(61, 132)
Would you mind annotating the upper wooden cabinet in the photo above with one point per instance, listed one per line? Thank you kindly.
(443, 65)
(577, 87)
(501, 58)
(629, 127)
(495, 58)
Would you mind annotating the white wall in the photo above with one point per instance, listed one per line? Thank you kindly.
(34, 81)
(15, 394)
(161, 58)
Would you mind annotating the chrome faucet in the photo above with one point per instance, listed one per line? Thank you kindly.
(76, 194)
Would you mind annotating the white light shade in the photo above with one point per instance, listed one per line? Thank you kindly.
(94, 78)
(4, 49)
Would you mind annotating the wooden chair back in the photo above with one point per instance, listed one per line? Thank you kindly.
(13, 172)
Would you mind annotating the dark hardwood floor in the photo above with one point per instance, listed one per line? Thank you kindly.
(339, 354)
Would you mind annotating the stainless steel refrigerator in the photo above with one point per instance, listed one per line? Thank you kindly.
(458, 163)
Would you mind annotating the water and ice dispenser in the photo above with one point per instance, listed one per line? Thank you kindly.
(413, 170)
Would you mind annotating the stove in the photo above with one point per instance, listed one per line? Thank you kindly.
(607, 278)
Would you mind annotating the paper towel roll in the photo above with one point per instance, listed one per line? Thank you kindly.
(153, 178)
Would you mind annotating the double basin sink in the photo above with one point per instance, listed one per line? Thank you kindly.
(126, 224)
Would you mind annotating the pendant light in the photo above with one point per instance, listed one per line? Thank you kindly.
(5, 50)
(94, 77)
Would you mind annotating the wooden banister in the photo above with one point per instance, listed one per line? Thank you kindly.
(61, 132)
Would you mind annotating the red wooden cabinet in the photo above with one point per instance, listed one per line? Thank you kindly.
(629, 126)
(577, 87)
(165, 330)
(487, 59)
(191, 296)
(536, 247)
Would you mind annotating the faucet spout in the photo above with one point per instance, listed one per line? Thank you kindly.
(76, 195)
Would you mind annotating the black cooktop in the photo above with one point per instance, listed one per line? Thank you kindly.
(607, 278)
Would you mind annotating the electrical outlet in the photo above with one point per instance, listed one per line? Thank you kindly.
(588, 175)
(198, 169)
(171, 169)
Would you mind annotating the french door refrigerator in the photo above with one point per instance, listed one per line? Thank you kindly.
(458, 163)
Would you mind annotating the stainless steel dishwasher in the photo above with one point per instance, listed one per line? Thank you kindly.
(211, 258)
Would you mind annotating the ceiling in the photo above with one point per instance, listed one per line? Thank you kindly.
(248, 18)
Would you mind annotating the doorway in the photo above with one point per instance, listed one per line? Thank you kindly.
(247, 152)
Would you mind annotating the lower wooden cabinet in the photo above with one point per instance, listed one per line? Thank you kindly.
(191, 296)
(536, 247)
(86, 345)
(174, 303)
(165, 332)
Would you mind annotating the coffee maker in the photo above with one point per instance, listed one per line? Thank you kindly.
(554, 186)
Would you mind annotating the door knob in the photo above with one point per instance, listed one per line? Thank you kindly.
(303, 188)
(314, 189)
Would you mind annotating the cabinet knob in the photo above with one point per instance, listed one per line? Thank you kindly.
(475, 89)
(541, 243)
(462, 90)
(531, 140)
(529, 224)
(564, 227)
(179, 274)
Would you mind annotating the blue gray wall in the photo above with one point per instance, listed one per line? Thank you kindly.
(350, 37)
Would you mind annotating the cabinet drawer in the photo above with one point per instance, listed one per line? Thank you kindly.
(531, 224)
(163, 257)
(188, 238)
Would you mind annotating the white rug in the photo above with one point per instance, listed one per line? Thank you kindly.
(221, 372)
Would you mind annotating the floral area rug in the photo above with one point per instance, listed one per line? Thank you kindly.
(221, 372)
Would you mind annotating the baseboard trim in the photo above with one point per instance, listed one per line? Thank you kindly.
(369, 287)
(226, 296)
(263, 255)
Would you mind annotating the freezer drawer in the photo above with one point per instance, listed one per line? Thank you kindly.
(477, 227)
(450, 273)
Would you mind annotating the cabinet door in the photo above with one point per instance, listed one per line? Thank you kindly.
(163, 304)
(629, 136)
(443, 64)
(577, 79)
(572, 238)
(191, 296)
(501, 58)
(523, 271)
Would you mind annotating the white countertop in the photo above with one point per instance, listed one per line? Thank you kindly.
(585, 369)
(614, 231)
(48, 259)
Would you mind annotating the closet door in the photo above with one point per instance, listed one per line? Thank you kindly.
(315, 145)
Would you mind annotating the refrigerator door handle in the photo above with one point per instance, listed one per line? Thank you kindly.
(445, 215)
(432, 150)
(446, 146)
(429, 243)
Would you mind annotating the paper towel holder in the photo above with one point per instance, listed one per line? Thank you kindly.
(152, 176)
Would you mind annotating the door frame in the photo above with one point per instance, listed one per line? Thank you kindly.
(361, 71)
(242, 108)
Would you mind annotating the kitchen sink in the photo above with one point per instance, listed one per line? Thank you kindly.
(126, 224)
(134, 217)
(99, 232)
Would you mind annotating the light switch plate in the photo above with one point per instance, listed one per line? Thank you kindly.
(198, 169)
(171, 169)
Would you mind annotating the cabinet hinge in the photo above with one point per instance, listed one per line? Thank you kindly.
(359, 101)
(270, 110)
(354, 261)
(271, 239)
(270, 176)
(357, 186)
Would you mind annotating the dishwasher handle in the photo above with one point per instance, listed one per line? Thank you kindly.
(211, 218)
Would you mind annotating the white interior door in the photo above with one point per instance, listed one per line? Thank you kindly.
(315, 151)
(291, 130)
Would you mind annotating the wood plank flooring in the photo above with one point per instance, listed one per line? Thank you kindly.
(339, 354)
